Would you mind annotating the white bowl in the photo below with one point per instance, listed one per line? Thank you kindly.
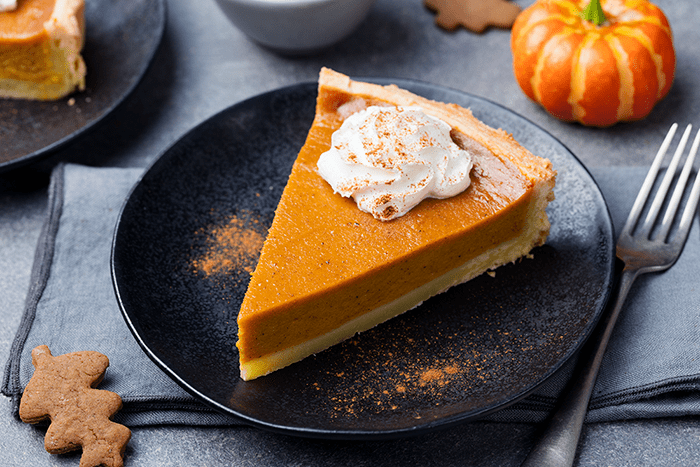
(296, 26)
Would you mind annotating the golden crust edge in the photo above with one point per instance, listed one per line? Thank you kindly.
(498, 141)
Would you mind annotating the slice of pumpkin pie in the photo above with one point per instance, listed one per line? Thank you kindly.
(40, 45)
(393, 198)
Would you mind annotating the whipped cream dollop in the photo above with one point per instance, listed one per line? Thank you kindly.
(389, 159)
(8, 5)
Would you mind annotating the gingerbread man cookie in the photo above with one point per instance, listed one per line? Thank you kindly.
(475, 15)
(61, 390)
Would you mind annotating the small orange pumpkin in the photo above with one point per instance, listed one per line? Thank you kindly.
(596, 74)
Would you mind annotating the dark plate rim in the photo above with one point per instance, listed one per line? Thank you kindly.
(355, 434)
(56, 145)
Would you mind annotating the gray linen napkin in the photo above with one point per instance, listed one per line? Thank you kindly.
(652, 368)
(71, 304)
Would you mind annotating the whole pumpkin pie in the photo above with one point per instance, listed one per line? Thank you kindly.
(40, 45)
(328, 270)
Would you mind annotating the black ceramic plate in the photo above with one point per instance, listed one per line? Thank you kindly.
(121, 39)
(467, 352)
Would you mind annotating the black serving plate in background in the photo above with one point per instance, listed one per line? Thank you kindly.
(462, 354)
(121, 39)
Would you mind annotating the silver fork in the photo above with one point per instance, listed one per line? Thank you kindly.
(643, 248)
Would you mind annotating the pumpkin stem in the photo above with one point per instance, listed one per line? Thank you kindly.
(594, 13)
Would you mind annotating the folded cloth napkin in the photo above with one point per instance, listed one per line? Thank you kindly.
(651, 369)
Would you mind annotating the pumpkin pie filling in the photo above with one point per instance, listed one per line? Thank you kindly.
(328, 270)
(40, 44)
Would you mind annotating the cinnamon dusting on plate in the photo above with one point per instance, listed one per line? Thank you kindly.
(232, 245)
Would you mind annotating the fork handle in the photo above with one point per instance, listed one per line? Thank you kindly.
(559, 441)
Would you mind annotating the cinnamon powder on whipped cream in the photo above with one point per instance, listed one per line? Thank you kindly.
(388, 159)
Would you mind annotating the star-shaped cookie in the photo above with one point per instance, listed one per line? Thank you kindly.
(475, 15)
(61, 390)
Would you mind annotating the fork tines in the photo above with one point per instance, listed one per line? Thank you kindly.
(663, 230)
